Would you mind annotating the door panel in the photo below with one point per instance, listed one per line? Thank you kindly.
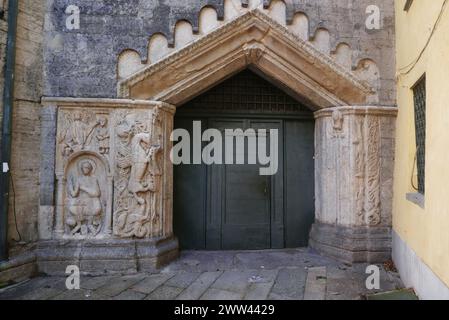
(244, 196)
(246, 216)
(189, 199)
(299, 182)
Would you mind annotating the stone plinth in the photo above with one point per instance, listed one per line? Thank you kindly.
(353, 182)
(101, 257)
(112, 177)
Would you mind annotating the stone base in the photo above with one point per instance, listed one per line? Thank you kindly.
(103, 257)
(352, 244)
(18, 268)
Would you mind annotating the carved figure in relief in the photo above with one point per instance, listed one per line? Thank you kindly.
(337, 120)
(138, 150)
(142, 154)
(84, 201)
(78, 132)
(102, 135)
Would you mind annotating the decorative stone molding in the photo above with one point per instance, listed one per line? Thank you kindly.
(113, 172)
(353, 174)
(188, 31)
(250, 40)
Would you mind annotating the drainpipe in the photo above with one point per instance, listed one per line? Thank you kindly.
(8, 100)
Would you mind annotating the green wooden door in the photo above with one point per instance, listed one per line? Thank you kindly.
(243, 202)
(233, 206)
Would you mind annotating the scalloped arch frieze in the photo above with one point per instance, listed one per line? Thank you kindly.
(250, 40)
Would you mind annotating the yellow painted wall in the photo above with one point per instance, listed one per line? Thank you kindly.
(426, 231)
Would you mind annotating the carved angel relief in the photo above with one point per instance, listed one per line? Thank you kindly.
(138, 183)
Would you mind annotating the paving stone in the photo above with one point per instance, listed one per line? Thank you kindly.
(260, 289)
(199, 286)
(152, 282)
(130, 295)
(81, 294)
(164, 293)
(217, 294)
(41, 294)
(272, 259)
(203, 261)
(347, 284)
(92, 283)
(27, 287)
(36, 289)
(182, 279)
(118, 284)
(315, 284)
(290, 283)
(235, 281)
(275, 296)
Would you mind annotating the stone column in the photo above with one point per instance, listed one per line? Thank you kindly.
(353, 182)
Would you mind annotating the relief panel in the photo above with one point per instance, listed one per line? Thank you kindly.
(109, 168)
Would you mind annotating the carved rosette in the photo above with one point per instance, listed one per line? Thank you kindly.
(113, 170)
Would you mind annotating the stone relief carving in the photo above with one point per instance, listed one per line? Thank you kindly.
(85, 209)
(372, 207)
(102, 148)
(349, 136)
(109, 166)
(359, 168)
(138, 158)
(79, 129)
(83, 173)
(102, 135)
(366, 136)
(337, 121)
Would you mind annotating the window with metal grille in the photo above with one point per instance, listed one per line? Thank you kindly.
(419, 95)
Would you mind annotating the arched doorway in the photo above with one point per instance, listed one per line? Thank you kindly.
(232, 206)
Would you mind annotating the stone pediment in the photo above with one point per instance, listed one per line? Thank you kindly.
(252, 40)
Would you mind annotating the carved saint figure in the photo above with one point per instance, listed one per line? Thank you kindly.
(84, 202)
(102, 135)
(142, 154)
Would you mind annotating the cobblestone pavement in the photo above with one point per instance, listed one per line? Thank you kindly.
(251, 275)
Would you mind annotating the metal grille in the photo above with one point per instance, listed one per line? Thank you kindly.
(419, 93)
(245, 92)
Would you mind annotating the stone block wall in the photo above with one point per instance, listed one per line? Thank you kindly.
(25, 161)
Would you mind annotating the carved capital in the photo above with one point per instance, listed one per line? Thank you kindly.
(253, 52)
